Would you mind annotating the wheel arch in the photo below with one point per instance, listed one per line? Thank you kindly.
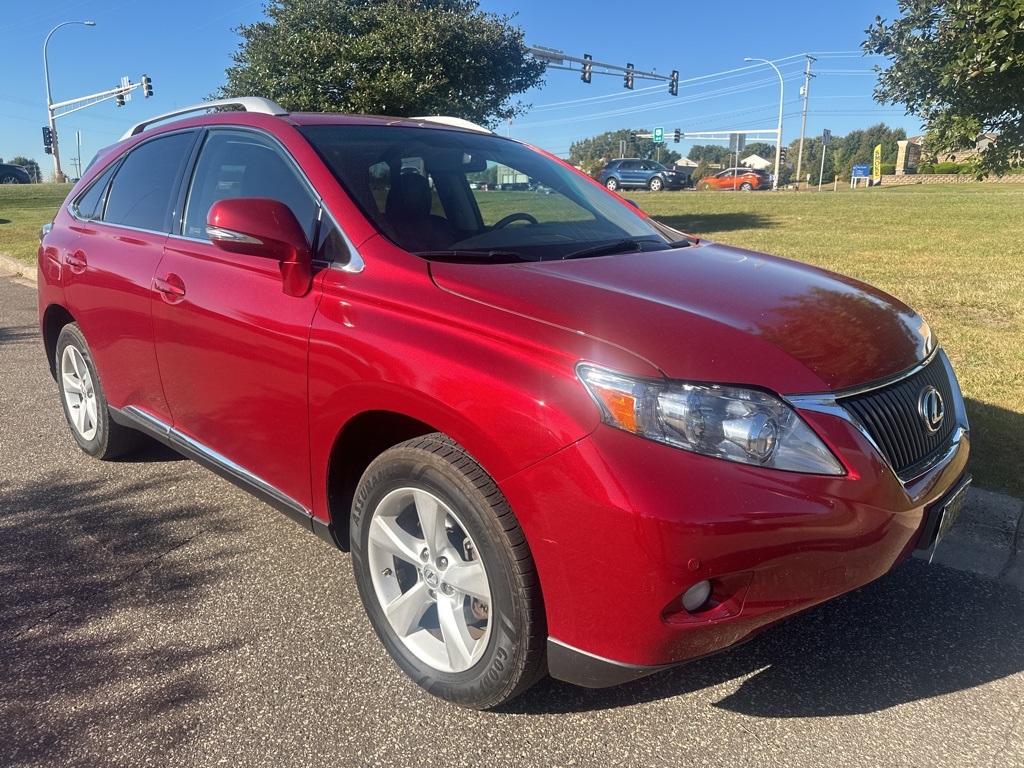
(364, 437)
(54, 318)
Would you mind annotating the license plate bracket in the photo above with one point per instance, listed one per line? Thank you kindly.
(942, 514)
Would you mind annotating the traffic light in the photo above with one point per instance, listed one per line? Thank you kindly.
(120, 99)
(632, 137)
(678, 136)
(673, 84)
(585, 77)
(782, 155)
(627, 79)
(47, 140)
(147, 86)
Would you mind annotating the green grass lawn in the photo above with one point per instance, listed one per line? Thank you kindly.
(954, 253)
(24, 208)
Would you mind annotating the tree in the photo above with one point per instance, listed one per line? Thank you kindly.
(393, 57)
(29, 165)
(606, 146)
(959, 65)
(715, 154)
(759, 148)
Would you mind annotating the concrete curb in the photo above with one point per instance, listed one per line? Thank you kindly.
(11, 266)
(986, 538)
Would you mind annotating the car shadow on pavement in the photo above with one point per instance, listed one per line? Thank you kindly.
(696, 224)
(922, 631)
(94, 588)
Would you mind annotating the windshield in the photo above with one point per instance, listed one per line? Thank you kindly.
(461, 196)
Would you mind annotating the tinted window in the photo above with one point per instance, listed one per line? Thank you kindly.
(90, 205)
(244, 164)
(141, 192)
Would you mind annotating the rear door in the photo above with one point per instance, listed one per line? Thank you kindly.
(232, 346)
(123, 220)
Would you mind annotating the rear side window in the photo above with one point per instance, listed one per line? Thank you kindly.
(140, 195)
(90, 204)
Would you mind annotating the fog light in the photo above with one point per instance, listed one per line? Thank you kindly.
(697, 596)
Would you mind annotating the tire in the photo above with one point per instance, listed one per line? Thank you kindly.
(704, 186)
(446, 575)
(656, 184)
(9, 178)
(83, 401)
(746, 186)
(612, 184)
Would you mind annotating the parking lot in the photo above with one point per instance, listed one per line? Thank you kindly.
(152, 614)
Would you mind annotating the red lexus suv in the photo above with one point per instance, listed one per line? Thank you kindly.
(556, 435)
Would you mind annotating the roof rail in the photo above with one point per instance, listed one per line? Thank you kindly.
(456, 122)
(247, 103)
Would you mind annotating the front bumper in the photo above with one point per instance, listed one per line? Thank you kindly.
(621, 527)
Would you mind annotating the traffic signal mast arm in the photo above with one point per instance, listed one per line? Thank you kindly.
(556, 59)
(73, 105)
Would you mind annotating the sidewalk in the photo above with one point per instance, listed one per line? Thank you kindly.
(986, 538)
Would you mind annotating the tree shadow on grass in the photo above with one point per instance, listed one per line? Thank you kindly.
(84, 574)
(699, 223)
(920, 632)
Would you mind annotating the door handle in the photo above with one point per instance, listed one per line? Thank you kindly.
(171, 287)
(76, 261)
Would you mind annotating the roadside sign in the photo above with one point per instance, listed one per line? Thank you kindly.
(861, 171)
(737, 142)
(659, 135)
(826, 137)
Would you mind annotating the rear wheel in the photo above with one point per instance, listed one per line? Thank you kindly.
(83, 401)
(656, 184)
(445, 574)
(612, 184)
(9, 178)
(746, 186)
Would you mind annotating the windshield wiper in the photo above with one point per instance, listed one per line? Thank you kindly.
(490, 257)
(619, 246)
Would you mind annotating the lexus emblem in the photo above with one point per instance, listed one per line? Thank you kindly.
(931, 408)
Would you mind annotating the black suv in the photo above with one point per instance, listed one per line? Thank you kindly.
(641, 173)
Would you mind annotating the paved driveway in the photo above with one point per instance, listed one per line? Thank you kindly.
(151, 614)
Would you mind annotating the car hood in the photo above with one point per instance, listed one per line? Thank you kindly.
(713, 313)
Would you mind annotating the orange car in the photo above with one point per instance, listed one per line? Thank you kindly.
(737, 178)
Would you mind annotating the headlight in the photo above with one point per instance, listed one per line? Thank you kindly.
(744, 425)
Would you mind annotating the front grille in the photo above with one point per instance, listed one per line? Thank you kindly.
(890, 415)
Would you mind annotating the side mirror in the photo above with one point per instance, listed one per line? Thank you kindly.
(259, 226)
(632, 202)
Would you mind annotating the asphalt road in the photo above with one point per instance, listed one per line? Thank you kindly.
(152, 614)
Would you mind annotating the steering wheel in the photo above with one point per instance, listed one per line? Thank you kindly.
(513, 217)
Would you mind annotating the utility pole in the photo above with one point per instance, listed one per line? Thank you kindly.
(803, 122)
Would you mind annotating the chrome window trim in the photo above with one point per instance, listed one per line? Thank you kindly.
(828, 403)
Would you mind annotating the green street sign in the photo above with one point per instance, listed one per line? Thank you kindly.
(659, 135)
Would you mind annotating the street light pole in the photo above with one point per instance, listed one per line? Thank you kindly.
(778, 142)
(58, 174)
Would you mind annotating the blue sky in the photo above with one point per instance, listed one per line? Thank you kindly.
(185, 47)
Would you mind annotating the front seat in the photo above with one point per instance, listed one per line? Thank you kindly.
(407, 212)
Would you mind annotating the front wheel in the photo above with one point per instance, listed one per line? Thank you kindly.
(445, 574)
(9, 178)
(704, 186)
(655, 184)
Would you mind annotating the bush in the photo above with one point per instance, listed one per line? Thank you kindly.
(888, 169)
(926, 168)
(948, 167)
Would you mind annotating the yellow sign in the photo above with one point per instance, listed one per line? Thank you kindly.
(876, 165)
